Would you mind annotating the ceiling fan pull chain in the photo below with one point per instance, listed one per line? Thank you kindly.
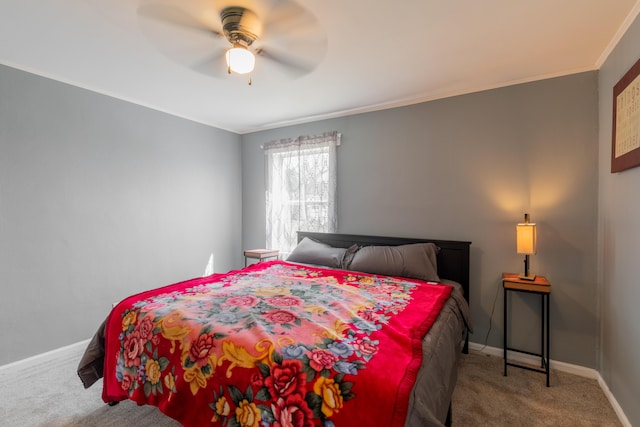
(250, 80)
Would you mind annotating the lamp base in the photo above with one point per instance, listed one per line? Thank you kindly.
(523, 276)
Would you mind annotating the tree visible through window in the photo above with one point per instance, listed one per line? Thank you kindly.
(300, 188)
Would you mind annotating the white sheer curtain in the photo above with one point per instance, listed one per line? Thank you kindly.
(300, 188)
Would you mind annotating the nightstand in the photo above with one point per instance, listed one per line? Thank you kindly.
(260, 254)
(539, 286)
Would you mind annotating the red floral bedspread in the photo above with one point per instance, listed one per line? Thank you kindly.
(275, 344)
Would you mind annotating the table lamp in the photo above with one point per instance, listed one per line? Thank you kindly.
(526, 244)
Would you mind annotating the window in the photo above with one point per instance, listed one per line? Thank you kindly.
(300, 188)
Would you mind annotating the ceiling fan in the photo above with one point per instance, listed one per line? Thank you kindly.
(224, 37)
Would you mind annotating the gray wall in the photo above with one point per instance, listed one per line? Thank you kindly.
(468, 168)
(100, 199)
(619, 243)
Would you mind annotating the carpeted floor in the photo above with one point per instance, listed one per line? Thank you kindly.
(47, 392)
(485, 397)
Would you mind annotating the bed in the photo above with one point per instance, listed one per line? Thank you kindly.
(350, 330)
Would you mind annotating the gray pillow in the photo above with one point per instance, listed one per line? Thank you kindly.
(416, 261)
(310, 251)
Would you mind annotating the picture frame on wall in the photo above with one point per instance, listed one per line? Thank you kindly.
(625, 142)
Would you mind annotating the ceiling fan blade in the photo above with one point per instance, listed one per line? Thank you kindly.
(190, 36)
(294, 65)
(172, 15)
(288, 19)
(293, 38)
(213, 65)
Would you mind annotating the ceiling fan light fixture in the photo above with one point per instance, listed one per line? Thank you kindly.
(240, 60)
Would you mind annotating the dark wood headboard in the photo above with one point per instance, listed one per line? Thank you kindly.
(453, 259)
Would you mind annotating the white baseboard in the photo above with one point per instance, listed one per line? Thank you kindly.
(42, 356)
(534, 360)
(616, 407)
(560, 366)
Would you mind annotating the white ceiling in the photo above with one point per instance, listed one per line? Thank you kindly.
(369, 54)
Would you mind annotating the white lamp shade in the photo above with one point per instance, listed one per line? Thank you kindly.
(240, 60)
(526, 238)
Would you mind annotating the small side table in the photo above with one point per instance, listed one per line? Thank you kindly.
(260, 254)
(539, 286)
